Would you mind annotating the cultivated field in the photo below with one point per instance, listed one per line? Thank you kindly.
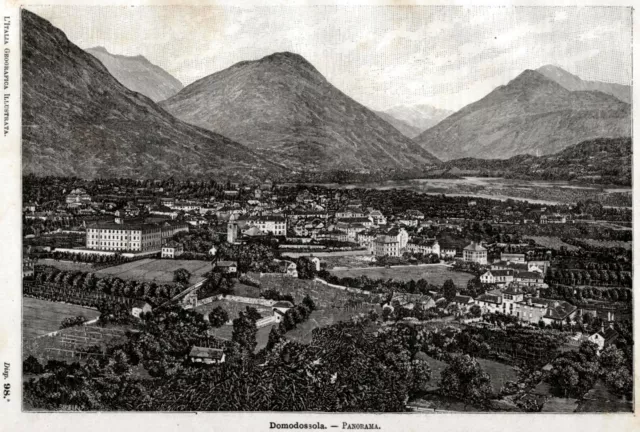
(322, 295)
(500, 373)
(608, 243)
(226, 331)
(40, 317)
(242, 290)
(324, 318)
(346, 261)
(233, 308)
(156, 270)
(551, 242)
(67, 265)
(435, 274)
(76, 343)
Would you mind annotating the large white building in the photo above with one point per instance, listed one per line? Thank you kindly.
(423, 246)
(475, 252)
(135, 237)
(277, 225)
(391, 243)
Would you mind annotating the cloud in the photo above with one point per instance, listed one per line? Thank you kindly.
(561, 15)
(380, 56)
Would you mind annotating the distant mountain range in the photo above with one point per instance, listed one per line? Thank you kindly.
(532, 114)
(414, 119)
(94, 115)
(78, 120)
(404, 128)
(138, 74)
(575, 83)
(603, 161)
(282, 107)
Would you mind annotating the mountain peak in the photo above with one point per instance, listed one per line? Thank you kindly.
(535, 112)
(285, 56)
(529, 75)
(290, 61)
(282, 106)
(137, 73)
(117, 132)
(98, 49)
(551, 68)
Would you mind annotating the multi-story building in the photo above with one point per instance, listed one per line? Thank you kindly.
(277, 225)
(367, 239)
(475, 252)
(512, 257)
(502, 277)
(490, 303)
(162, 210)
(352, 229)
(350, 212)
(554, 218)
(131, 237)
(386, 245)
(78, 197)
(172, 249)
(529, 278)
(171, 228)
(423, 246)
(367, 222)
(124, 237)
(377, 217)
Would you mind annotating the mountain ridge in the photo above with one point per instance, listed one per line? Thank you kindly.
(531, 114)
(78, 120)
(137, 73)
(573, 83)
(603, 161)
(283, 106)
(418, 116)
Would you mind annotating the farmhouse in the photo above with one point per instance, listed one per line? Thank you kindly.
(280, 309)
(139, 307)
(463, 302)
(604, 337)
(227, 266)
(206, 355)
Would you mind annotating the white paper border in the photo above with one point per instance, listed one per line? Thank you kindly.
(11, 416)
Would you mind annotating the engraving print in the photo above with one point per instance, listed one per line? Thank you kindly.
(421, 209)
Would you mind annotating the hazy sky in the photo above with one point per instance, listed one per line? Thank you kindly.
(380, 55)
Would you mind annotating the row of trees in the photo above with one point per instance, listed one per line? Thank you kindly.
(114, 259)
(79, 282)
(589, 277)
(366, 283)
(576, 294)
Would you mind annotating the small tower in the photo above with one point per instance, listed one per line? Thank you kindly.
(232, 232)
